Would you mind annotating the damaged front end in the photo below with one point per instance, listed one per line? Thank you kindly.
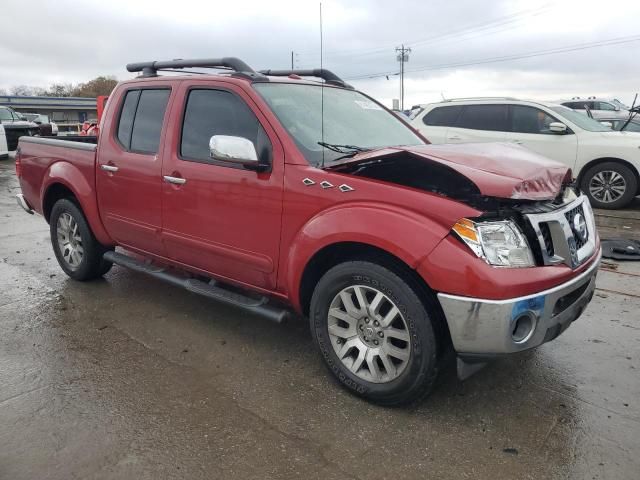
(468, 173)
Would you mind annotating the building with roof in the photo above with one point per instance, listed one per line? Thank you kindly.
(67, 112)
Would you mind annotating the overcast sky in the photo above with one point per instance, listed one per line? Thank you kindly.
(70, 41)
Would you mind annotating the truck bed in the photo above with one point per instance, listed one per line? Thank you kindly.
(42, 158)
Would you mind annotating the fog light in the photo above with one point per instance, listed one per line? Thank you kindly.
(522, 327)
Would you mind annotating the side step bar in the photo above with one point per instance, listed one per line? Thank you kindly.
(258, 306)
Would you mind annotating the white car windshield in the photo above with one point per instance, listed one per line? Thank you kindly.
(352, 121)
(581, 120)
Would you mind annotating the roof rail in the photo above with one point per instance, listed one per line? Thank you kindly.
(479, 98)
(327, 75)
(150, 69)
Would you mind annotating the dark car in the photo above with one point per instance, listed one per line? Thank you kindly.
(15, 126)
(46, 126)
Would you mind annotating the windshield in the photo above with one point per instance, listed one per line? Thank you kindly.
(350, 120)
(581, 120)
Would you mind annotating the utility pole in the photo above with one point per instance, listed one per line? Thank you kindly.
(292, 60)
(403, 56)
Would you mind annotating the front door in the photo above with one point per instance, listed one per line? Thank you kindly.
(128, 178)
(530, 128)
(217, 216)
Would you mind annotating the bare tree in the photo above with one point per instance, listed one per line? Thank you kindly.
(21, 90)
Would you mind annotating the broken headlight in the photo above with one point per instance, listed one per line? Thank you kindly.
(499, 243)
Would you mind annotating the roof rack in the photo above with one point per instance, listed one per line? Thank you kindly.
(150, 69)
(327, 75)
(479, 98)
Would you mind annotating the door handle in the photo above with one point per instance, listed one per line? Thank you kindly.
(109, 168)
(175, 180)
(518, 142)
(454, 137)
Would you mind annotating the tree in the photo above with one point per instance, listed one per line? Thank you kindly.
(21, 90)
(56, 90)
(93, 88)
(96, 87)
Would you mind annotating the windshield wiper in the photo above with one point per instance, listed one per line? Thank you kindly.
(346, 150)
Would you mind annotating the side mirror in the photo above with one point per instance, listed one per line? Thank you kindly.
(558, 127)
(607, 124)
(226, 148)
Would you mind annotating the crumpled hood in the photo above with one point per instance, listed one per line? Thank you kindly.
(502, 170)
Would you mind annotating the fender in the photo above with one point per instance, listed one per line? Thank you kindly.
(400, 232)
(71, 177)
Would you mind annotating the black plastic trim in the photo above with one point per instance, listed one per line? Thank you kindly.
(327, 75)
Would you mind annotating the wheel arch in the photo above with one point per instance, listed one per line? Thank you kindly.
(65, 180)
(331, 255)
(596, 161)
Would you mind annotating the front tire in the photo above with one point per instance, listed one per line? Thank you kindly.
(609, 185)
(78, 252)
(374, 333)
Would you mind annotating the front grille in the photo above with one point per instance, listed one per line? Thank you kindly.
(570, 216)
(565, 235)
(546, 236)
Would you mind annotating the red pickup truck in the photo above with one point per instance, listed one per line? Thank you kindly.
(275, 193)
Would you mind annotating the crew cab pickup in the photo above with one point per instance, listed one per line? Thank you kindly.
(280, 194)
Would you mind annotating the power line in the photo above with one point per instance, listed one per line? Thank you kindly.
(506, 58)
(472, 28)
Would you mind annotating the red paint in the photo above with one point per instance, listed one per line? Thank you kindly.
(260, 230)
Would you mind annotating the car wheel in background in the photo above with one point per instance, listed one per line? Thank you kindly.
(609, 185)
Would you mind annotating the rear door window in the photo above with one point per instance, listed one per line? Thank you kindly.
(442, 116)
(485, 117)
(141, 119)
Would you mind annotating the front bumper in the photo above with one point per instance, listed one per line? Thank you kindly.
(485, 328)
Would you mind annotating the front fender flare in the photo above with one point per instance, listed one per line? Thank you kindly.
(402, 233)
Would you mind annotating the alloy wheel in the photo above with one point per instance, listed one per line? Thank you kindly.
(607, 186)
(69, 240)
(369, 334)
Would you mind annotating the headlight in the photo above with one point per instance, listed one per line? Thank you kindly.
(498, 243)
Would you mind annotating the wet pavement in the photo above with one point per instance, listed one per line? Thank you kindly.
(127, 377)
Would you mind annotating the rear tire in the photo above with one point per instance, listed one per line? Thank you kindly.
(609, 185)
(387, 358)
(78, 252)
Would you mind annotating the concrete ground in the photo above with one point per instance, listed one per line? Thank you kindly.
(127, 378)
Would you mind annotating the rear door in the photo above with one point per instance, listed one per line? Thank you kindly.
(220, 217)
(529, 127)
(480, 123)
(129, 169)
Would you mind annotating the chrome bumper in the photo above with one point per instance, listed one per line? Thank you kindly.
(491, 327)
(24, 204)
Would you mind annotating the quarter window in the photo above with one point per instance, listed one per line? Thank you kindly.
(442, 116)
(216, 112)
(484, 117)
(141, 119)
